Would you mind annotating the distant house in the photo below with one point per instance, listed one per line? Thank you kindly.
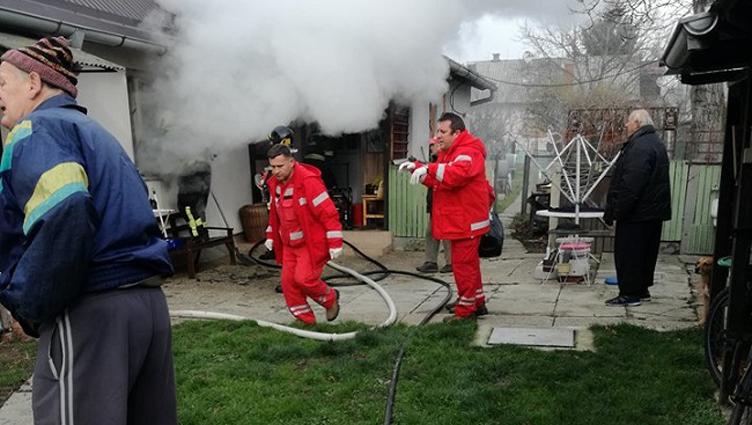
(531, 90)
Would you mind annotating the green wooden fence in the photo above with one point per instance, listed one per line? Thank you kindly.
(407, 204)
(699, 233)
(672, 230)
(691, 188)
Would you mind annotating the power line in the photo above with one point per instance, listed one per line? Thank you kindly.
(578, 83)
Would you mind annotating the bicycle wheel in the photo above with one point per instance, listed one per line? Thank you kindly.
(741, 414)
(715, 334)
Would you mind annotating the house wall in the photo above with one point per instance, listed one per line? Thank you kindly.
(456, 100)
(105, 95)
(419, 131)
(231, 184)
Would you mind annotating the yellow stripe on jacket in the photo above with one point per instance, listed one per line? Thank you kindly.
(53, 187)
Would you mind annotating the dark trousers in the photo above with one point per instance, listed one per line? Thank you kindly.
(107, 360)
(635, 254)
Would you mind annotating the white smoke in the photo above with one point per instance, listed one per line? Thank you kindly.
(239, 68)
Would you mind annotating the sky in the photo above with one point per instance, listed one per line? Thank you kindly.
(479, 39)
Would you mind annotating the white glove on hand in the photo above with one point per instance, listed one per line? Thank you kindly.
(407, 166)
(419, 175)
(269, 244)
(335, 252)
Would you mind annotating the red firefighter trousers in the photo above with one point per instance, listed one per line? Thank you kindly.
(300, 281)
(466, 267)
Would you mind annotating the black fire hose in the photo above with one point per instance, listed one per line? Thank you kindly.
(383, 272)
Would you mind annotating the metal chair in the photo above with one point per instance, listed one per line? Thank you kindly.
(188, 227)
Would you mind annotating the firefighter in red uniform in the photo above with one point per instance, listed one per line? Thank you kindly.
(304, 231)
(462, 199)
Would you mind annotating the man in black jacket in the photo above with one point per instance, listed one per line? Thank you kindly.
(639, 201)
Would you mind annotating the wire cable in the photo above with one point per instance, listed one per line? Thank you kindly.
(573, 84)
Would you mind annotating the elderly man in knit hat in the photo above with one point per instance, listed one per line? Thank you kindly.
(80, 253)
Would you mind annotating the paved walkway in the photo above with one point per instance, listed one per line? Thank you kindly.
(515, 298)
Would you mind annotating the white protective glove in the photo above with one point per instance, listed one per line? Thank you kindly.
(269, 244)
(407, 166)
(419, 175)
(335, 252)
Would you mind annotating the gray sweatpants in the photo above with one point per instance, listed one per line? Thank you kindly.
(432, 247)
(107, 360)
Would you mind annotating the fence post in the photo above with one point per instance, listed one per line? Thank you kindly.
(525, 185)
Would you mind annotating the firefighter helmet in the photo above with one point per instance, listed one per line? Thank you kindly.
(281, 134)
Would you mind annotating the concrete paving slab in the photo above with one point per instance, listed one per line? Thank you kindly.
(527, 299)
(660, 325)
(17, 410)
(587, 322)
(500, 320)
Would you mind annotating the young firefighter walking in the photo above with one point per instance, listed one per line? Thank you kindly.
(304, 231)
(462, 199)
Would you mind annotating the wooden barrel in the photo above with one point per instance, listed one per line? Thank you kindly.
(254, 219)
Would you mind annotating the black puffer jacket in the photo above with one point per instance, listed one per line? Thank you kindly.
(640, 188)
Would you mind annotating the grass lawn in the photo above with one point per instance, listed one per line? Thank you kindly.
(16, 364)
(238, 373)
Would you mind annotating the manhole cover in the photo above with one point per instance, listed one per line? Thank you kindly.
(540, 337)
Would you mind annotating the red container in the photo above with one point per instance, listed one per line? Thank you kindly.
(357, 214)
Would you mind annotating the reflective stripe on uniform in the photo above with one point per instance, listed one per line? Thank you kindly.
(268, 229)
(440, 172)
(279, 191)
(334, 234)
(294, 236)
(320, 198)
(288, 192)
(300, 309)
(303, 201)
(466, 301)
(480, 225)
(461, 158)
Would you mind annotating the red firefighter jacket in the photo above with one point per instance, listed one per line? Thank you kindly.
(316, 216)
(462, 196)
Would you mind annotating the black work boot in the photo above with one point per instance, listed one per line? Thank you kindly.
(428, 267)
(333, 311)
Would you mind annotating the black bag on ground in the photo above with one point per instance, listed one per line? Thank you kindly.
(491, 243)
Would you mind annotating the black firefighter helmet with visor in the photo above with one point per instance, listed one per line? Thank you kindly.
(281, 134)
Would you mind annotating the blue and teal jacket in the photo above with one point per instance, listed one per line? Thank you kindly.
(74, 214)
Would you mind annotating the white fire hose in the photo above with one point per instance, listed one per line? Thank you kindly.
(321, 336)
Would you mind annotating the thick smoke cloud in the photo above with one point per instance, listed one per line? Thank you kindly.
(238, 68)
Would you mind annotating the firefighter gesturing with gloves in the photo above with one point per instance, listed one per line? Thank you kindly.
(462, 198)
(304, 231)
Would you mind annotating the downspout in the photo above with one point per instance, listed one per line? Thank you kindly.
(475, 80)
(483, 100)
(51, 26)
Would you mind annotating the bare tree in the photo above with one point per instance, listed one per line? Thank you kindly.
(492, 122)
(607, 61)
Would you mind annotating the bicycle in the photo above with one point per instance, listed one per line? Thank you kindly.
(741, 414)
(716, 339)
